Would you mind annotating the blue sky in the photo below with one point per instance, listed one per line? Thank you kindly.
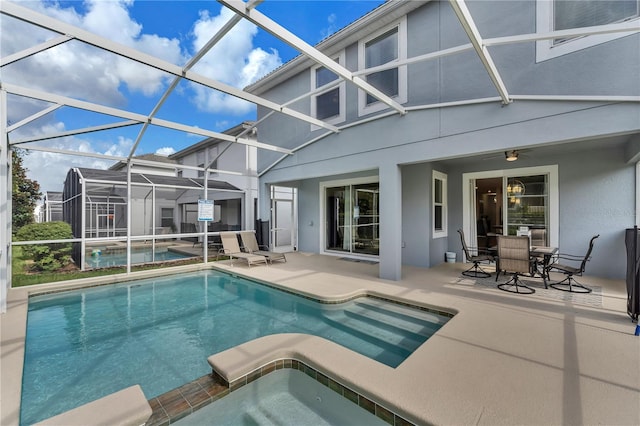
(173, 30)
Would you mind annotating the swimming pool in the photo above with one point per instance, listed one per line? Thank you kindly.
(84, 344)
(109, 258)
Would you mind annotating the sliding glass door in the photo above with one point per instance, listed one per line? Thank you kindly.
(500, 202)
(352, 213)
(528, 206)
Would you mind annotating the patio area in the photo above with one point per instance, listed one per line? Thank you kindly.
(503, 358)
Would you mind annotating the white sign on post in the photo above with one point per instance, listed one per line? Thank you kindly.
(205, 210)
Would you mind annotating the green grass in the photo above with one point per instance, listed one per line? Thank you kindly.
(21, 276)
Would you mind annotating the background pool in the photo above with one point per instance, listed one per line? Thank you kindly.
(158, 333)
(107, 259)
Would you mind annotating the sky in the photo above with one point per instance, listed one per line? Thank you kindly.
(173, 30)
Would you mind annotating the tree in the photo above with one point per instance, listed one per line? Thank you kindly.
(25, 193)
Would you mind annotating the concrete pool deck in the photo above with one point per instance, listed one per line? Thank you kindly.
(503, 359)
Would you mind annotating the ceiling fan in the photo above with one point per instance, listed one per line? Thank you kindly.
(509, 155)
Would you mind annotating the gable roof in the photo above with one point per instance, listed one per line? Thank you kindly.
(234, 131)
(379, 17)
(147, 157)
(116, 176)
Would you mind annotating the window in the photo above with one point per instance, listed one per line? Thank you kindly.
(384, 47)
(201, 172)
(328, 105)
(166, 218)
(212, 158)
(439, 204)
(568, 14)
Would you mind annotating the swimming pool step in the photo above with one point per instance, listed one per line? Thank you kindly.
(388, 338)
(406, 312)
(417, 331)
(422, 323)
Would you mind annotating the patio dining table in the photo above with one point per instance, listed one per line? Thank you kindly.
(547, 254)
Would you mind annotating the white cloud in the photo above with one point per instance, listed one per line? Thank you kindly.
(50, 169)
(331, 26)
(78, 70)
(233, 61)
(165, 151)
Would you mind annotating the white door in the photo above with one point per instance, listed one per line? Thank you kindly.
(283, 219)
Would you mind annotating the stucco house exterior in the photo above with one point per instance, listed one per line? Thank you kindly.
(229, 162)
(507, 114)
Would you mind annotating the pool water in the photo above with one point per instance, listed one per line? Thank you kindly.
(107, 259)
(82, 345)
(283, 397)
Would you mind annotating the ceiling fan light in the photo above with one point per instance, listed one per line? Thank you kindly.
(511, 155)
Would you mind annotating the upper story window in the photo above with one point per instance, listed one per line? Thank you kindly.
(553, 15)
(384, 47)
(328, 104)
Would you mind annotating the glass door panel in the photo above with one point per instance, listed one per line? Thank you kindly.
(365, 219)
(336, 200)
(283, 223)
(527, 200)
(352, 214)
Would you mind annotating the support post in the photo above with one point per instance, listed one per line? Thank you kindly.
(129, 209)
(390, 222)
(5, 205)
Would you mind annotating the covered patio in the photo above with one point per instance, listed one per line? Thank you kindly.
(546, 358)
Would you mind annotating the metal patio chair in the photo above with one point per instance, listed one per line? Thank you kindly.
(475, 271)
(514, 257)
(577, 269)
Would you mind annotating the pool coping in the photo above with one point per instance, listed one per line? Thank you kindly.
(19, 298)
(13, 328)
(180, 402)
(497, 346)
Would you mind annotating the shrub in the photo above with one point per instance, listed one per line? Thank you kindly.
(47, 257)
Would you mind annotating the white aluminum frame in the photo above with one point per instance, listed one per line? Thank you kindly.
(247, 11)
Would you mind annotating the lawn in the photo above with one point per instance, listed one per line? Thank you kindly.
(22, 276)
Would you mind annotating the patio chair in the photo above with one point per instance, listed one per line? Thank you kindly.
(250, 244)
(231, 248)
(514, 257)
(475, 271)
(580, 262)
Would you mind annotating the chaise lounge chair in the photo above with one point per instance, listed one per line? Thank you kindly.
(251, 246)
(231, 248)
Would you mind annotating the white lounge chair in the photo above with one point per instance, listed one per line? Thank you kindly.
(251, 246)
(231, 248)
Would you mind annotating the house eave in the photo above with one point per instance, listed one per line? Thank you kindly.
(377, 18)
